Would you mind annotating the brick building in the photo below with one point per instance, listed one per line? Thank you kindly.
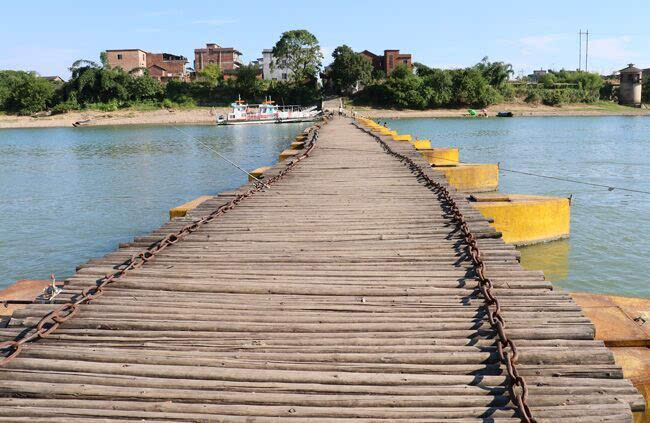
(227, 58)
(389, 61)
(162, 66)
(127, 59)
(165, 66)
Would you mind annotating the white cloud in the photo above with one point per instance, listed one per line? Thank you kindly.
(614, 49)
(214, 22)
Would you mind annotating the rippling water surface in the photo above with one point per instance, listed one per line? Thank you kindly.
(609, 248)
(68, 195)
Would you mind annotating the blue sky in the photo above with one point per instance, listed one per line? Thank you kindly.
(48, 36)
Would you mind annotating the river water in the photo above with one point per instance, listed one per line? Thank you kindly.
(609, 247)
(68, 195)
(71, 194)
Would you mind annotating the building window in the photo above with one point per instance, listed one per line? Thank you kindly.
(284, 76)
(405, 61)
(119, 57)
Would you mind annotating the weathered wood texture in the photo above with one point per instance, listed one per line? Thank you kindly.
(341, 293)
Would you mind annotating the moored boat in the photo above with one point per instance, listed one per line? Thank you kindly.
(267, 112)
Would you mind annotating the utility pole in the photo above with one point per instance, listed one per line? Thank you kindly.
(580, 49)
(580, 34)
(587, 54)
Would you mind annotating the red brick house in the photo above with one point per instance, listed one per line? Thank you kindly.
(389, 61)
(162, 66)
(227, 58)
(165, 66)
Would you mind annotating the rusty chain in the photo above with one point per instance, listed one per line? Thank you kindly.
(508, 353)
(52, 320)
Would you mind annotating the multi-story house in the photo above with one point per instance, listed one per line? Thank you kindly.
(162, 66)
(389, 61)
(273, 69)
(227, 58)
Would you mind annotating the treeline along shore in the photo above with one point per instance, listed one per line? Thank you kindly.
(101, 94)
(207, 115)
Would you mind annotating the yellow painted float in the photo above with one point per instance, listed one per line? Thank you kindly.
(471, 177)
(258, 173)
(182, 210)
(526, 219)
(438, 156)
(404, 137)
(297, 145)
(421, 144)
(287, 154)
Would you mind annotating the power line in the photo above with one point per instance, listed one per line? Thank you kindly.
(557, 178)
(222, 156)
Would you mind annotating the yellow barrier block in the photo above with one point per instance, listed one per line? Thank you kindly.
(259, 172)
(288, 153)
(301, 137)
(182, 210)
(526, 219)
(472, 177)
(405, 137)
(441, 156)
(421, 144)
(297, 145)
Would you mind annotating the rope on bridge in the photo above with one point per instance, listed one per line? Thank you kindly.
(506, 347)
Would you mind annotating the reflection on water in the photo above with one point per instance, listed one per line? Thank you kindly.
(68, 195)
(550, 257)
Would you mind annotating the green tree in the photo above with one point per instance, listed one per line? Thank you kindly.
(349, 68)
(144, 88)
(441, 85)
(211, 73)
(471, 88)
(247, 83)
(299, 50)
(90, 83)
(403, 89)
(24, 93)
(496, 73)
(548, 80)
(645, 90)
(103, 58)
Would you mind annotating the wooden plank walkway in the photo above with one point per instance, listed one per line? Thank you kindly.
(343, 292)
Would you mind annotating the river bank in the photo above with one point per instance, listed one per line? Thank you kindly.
(518, 109)
(195, 116)
(208, 115)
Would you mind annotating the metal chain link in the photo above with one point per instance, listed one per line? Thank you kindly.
(52, 320)
(506, 348)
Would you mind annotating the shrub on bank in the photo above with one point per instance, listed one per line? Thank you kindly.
(24, 93)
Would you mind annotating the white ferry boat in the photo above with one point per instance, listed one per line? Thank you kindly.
(267, 112)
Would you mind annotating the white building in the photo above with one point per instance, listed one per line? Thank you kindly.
(271, 69)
